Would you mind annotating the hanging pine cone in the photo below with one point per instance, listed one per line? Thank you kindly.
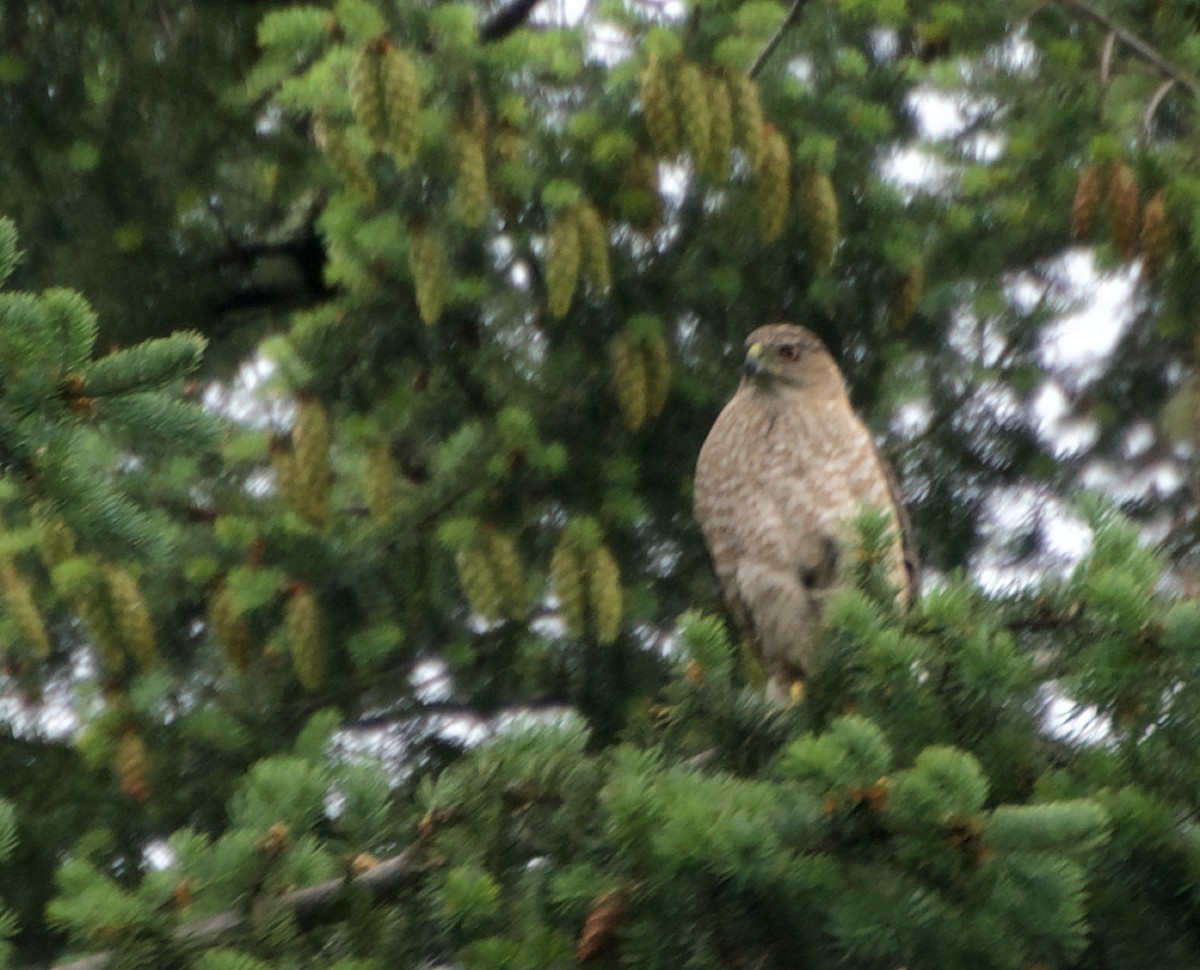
(403, 99)
(747, 118)
(310, 448)
(56, 541)
(819, 206)
(302, 626)
(720, 128)
(629, 380)
(658, 108)
(334, 143)
(562, 263)
(1158, 238)
(694, 114)
(427, 259)
(472, 187)
(133, 618)
(605, 596)
(132, 766)
(510, 576)
(566, 572)
(368, 99)
(599, 935)
(385, 99)
(478, 579)
(18, 599)
(231, 629)
(1123, 210)
(593, 247)
(774, 175)
(1088, 191)
(907, 298)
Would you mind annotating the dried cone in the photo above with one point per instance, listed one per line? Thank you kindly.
(231, 630)
(774, 174)
(629, 380)
(747, 118)
(819, 205)
(720, 129)
(593, 247)
(1123, 210)
(1158, 240)
(302, 625)
(566, 571)
(562, 263)
(428, 263)
(658, 107)
(132, 765)
(18, 598)
(133, 618)
(379, 483)
(472, 179)
(604, 594)
(510, 576)
(310, 446)
(657, 358)
(1088, 190)
(478, 578)
(907, 298)
(694, 114)
(600, 928)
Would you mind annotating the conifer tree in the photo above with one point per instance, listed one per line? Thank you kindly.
(353, 614)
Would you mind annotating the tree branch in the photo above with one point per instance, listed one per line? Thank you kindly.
(310, 906)
(769, 48)
(505, 20)
(1131, 40)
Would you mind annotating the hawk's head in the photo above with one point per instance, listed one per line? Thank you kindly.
(782, 355)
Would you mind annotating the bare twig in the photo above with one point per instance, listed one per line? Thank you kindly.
(310, 906)
(1144, 50)
(769, 48)
(1154, 102)
(1106, 56)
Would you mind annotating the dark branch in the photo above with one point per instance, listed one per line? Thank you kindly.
(769, 48)
(310, 906)
(1145, 51)
(505, 20)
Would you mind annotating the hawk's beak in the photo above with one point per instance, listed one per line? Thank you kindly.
(753, 362)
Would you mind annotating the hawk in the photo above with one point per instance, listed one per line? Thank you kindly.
(782, 474)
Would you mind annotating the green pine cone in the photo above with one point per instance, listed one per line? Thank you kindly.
(427, 259)
(774, 175)
(562, 263)
(604, 594)
(720, 129)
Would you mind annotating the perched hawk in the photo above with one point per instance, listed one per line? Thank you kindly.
(785, 469)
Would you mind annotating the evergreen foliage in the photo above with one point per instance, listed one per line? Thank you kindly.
(353, 614)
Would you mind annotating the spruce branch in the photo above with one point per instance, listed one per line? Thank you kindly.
(310, 906)
(769, 48)
(1150, 54)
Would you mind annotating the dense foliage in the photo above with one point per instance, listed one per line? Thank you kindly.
(353, 374)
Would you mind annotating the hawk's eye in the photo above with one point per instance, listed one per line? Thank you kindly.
(789, 352)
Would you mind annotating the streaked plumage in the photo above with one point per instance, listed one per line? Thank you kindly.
(783, 472)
